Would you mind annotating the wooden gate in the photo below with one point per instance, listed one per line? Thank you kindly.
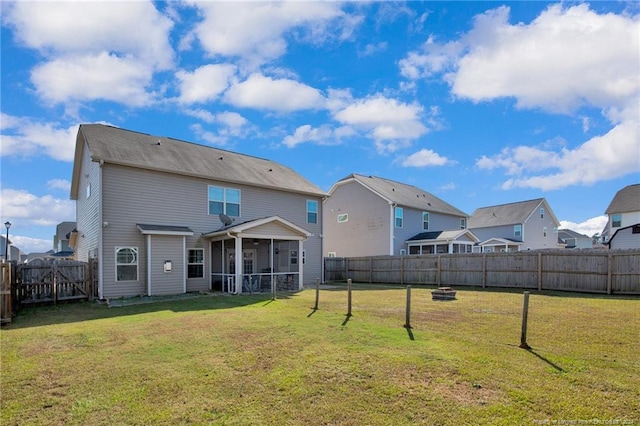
(53, 281)
(5, 292)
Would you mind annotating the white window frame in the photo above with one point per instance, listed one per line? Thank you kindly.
(463, 223)
(196, 263)
(137, 262)
(425, 222)
(541, 212)
(342, 217)
(397, 216)
(225, 202)
(311, 212)
(618, 221)
(517, 230)
(544, 231)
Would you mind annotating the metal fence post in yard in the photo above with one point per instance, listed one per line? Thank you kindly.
(525, 312)
(408, 310)
(349, 297)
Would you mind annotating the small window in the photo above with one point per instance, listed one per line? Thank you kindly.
(344, 217)
(88, 191)
(224, 200)
(304, 257)
(541, 213)
(126, 263)
(616, 220)
(425, 221)
(399, 213)
(463, 223)
(635, 229)
(312, 211)
(294, 257)
(403, 252)
(331, 254)
(544, 231)
(195, 263)
(517, 230)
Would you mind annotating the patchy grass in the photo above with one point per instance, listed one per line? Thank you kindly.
(250, 360)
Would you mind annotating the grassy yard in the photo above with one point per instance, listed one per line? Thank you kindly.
(249, 360)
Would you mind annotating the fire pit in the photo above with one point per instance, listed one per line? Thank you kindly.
(443, 293)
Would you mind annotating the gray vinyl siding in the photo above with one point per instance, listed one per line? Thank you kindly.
(88, 222)
(133, 196)
(504, 231)
(367, 232)
(166, 247)
(533, 234)
(625, 239)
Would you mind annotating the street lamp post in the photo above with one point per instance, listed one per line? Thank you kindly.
(6, 245)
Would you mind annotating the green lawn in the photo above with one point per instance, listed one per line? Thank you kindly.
(249, 360)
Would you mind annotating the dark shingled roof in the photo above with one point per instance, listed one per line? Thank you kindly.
(504, 214)
(626, 200)
(129, 148)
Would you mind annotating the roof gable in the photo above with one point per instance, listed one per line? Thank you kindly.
(626, 200)
(252, 227)
(402, 194)
(507, 214)
(124, 147)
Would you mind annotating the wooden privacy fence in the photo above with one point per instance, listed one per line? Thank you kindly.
(54, 281)
(589, 271)
(5, 292)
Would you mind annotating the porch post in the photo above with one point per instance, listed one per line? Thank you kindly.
(300, 267)
(239, 265)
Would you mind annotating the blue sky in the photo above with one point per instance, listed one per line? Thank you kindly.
(479, 103)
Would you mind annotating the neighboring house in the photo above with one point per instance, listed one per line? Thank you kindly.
(39, 256)
(370, 216)
(574, 240)
(626, 238)
(524, 225)
(14, 252)
(623, 211)
(164, 216)
(62, 249)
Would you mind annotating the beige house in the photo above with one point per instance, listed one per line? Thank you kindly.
(623, 211)
(165, 216)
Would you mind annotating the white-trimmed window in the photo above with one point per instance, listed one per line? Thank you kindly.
(425, 221)
(544, 231)
(126, 263)
(312, 211)
(399, 215)
(224, 200)
(331, 254)
(195, 263)
(343, 217)
(293, 257)
(616, 220)
(517, 230)
(463, 223)
(541, 212)
(304, 257)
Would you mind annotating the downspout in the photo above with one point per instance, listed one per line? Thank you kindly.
(392, 227)
(149, 265)
(101, 236)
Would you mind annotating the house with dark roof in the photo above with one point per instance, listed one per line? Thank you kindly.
(574, 240)
(523, 225)
(623, 211)
(370, 216)
(165, 216)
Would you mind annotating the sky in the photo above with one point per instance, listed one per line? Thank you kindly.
(478, 103)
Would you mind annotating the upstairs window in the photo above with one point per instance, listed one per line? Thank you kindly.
(399, 215)
(517, 231)
(463, 223)
(312, 211)
(544, 231)
(616, 220)
(425, 221)
(343, 217)
(224, 200)
(542, 213)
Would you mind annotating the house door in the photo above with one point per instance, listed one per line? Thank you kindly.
(248, 261)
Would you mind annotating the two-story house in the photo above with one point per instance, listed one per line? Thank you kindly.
(574, 240)
(622, 229)
(61, 247)
(524, 225)
(371, 216)
(165, 216)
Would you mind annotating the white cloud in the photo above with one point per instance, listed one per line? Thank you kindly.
(391, 123)
(566, 58)
(26, 209)
(282, 95)
(424, 158)
(323, 135)
(588, 227)
(62, 184)
(230, 125)
(31, 245)
(22, 137)
(83, 78)
(93, 50)
(205, 83)
(257, 32)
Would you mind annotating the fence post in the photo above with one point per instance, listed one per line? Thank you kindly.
(370, 270)
(439, 273)
(609, 267)
(539, 271)
(525, 313)
(54, 285)
(349, 297)
(408, 309)
(484, 270)
(317, 293)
